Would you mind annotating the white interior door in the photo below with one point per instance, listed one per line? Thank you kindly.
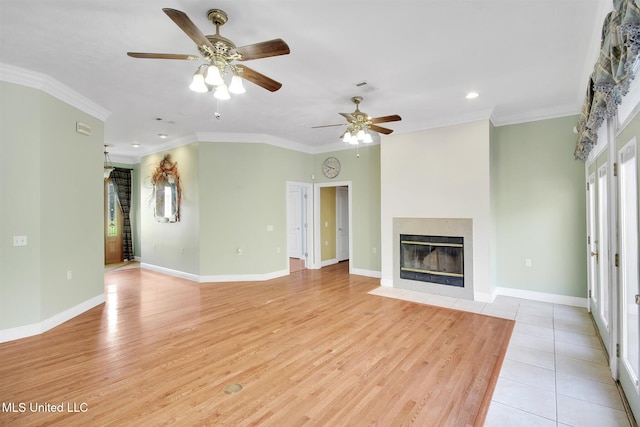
(295, 222)
(629, 296)
(342, 223)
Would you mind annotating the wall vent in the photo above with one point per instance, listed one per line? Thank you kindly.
(365, 86)
(83, 128)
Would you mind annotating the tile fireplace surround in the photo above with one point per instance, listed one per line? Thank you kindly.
(449, 227)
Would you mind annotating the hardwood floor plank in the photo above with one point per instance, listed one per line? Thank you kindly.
(313, 348)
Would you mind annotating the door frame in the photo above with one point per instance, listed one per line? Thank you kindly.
(317, 252)
(307, 234)
(338, 231)
(606, 145)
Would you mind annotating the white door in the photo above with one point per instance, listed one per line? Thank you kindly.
(342, 223)
(294, 222)
(599, 247)
(628, 277)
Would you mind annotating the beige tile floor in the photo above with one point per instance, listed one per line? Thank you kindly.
(555, 372)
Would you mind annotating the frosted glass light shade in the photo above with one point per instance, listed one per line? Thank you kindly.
(221, 92)
(236, 85)
(198, 84)
(213, 76)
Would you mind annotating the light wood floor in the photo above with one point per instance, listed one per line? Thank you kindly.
(312, 348)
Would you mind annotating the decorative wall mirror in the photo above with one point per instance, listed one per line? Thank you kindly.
(166, 191)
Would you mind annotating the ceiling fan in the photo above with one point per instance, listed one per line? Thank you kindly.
(220, 55)
(359, 124)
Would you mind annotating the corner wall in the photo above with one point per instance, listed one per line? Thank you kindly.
(51, 191)
(539, 208)
(439, 173)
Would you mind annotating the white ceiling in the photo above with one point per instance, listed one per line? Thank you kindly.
(528, 59)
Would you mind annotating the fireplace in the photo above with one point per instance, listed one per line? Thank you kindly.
(434, 255)
(434, 259)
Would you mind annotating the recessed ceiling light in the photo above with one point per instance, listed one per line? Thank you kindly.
(472, 95)
(163, 135)
(135, 145)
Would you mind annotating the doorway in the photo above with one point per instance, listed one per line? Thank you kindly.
(599, 243)
(629, 288)
(298, 230)
(333, 239)
(113, 221)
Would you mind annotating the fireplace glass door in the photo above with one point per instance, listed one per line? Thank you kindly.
(434, 259)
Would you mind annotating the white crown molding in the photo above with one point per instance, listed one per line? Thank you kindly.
(243, 138)
(32, 79)
(536, 115)
(129, 160)
(438, 122)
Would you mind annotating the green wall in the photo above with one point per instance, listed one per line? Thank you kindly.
(51, 192)
(539, 208)
(237, 191)
(363, 172)
(174, 246)
(243, 206)
(327, 223)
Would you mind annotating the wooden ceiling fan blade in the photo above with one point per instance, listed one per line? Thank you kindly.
(327, 126)
(380, 129)
(162, 55)
(259, 79)
(189, 28)
(386, 119)
(266, 49)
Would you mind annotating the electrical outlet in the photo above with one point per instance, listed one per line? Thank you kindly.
(19, 240)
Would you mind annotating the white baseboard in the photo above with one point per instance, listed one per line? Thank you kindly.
(215, 278)
(368, 273)
(55, 320)
(517, 293)
(170, 272)
(387, 283)
(485, 297)
(244, 277)
(329, 262)
(544, 297)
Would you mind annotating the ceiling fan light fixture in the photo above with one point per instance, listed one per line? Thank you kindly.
(197, 83)
(108, 166)
(367, 138)
(346, 137)
(236, 85)
(353, 140)
(360, 135)
(222, 93)
(213, 78)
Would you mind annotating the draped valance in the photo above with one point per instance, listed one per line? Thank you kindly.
(612, 74)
